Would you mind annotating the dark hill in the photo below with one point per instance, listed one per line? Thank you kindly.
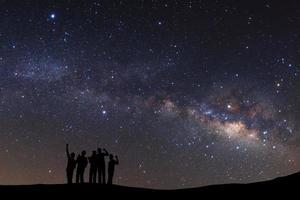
(283, 186)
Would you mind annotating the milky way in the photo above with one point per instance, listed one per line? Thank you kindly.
(187, 93)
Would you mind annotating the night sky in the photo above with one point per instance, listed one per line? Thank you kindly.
(187, 93)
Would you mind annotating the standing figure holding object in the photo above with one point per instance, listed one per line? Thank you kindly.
(111, 168)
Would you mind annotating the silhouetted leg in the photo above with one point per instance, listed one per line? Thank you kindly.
(82, 176)
(94, 176)
(109, 181)
(103, 171)
(77, 176)
(91, 176)
(69, 176)
(103, 174)
(99, 175)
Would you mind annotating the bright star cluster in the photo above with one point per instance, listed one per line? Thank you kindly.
(187, 93)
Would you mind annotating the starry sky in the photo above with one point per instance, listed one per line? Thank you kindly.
(187, 93)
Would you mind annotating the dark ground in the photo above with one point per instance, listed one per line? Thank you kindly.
(280, 187)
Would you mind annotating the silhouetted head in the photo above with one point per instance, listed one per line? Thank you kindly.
(111, 156)
(94, 153)
(72, 155)
(99, 150)
(83, 153)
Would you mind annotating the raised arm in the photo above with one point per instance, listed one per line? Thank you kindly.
(117, 160)
(67, 150)
(105, 152)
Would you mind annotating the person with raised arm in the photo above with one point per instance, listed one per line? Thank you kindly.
(71, 165)
(101, 165)
(111, 168)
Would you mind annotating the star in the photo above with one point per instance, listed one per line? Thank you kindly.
(52, 16)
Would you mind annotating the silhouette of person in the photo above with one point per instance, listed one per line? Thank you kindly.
(93, 167)
(81, 165)
(101, 165)
(71, 165)
(111, 168)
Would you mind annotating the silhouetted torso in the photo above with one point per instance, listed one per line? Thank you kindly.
(111, 165)
(81, 162)
(71, 164)
(101, 158)
(93, 161)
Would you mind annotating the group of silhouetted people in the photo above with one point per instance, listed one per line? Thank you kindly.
(97, 166)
